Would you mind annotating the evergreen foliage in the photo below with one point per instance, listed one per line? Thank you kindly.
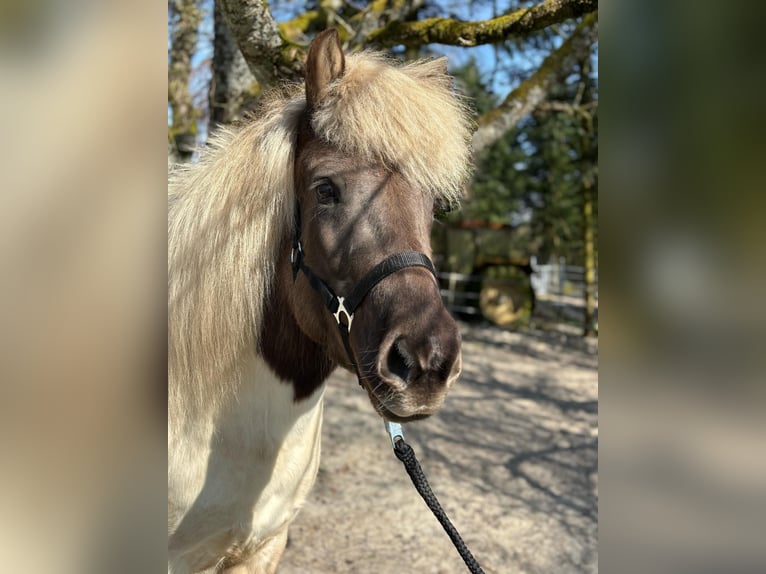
(532, 179)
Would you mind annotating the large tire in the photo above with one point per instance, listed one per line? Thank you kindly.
(507, 301)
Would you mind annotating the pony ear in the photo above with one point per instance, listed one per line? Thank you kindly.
(325, 63)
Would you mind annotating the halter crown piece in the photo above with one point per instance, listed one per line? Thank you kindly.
(340, 306)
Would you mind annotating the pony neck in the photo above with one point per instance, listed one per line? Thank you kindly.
(292, 355)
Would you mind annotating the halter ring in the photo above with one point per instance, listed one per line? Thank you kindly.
(342, 309)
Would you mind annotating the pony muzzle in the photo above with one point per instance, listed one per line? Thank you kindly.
(414, 374)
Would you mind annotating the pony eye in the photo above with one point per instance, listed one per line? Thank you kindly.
(442, 207)
(327, 192)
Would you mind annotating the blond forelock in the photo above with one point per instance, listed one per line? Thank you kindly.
(405, 115)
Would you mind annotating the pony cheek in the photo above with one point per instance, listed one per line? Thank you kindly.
(311, 316)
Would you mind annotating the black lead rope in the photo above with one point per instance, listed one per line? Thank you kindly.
(406, 454)
(343, 308)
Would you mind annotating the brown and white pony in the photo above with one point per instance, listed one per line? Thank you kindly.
(365, 151)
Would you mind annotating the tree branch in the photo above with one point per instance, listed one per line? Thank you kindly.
(294, 29)
(458, 33)
(377, 14)
(532, 91)
(567, 108)
(258, 39)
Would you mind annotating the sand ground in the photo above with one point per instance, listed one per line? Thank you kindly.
(512, 457)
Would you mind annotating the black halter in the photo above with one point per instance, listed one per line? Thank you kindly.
(341, 306)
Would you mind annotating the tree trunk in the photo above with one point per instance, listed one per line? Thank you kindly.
(257, 35)
(183, 39)
(234, 88)
(590, 158)
(590, 259)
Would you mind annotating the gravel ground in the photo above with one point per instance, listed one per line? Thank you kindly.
(512, 457)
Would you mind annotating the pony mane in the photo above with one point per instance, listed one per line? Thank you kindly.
(228, 213)
(226, 217)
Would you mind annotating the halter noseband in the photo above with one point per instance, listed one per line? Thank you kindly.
(345, 306)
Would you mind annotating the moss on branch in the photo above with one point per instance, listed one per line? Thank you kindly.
(292, 30)
(459, 33)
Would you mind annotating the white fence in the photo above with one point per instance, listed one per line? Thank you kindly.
(559, 279)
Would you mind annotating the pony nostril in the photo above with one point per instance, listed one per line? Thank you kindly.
(398, 361)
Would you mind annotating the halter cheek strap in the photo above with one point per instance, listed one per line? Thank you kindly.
(344, 307)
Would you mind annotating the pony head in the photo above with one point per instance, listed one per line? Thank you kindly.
(379, 146)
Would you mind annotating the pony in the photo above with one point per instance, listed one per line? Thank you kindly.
(353, 162)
